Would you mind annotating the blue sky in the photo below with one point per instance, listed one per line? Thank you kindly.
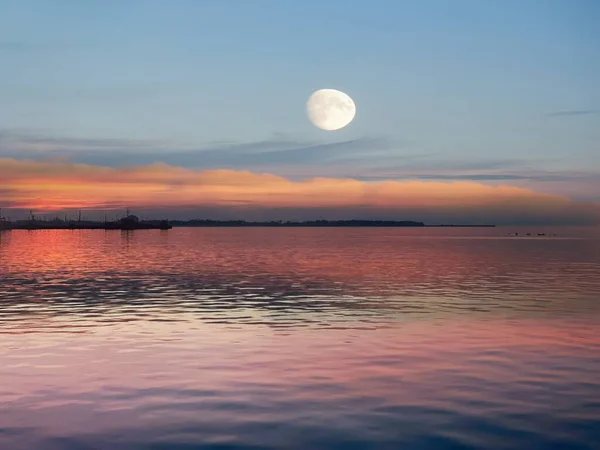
(443, 89)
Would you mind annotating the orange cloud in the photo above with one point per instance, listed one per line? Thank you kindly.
(54, 185)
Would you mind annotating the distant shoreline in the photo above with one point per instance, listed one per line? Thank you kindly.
(355, 223)
(89, 225)
(262, 225)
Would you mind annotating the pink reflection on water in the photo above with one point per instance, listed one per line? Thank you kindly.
(129, 372)
(208, 330)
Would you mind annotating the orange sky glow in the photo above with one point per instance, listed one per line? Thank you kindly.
(54, 185)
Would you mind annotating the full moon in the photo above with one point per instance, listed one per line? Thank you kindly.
(329, 109)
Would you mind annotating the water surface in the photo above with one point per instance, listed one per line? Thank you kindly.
(300, 338)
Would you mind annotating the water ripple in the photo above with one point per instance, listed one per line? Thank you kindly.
(354, 339)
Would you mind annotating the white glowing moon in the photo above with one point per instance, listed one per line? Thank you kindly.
(330, 109)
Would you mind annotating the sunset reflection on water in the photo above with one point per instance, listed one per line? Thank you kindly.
(299, 338)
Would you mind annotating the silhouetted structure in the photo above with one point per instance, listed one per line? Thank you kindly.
(129, 222)
(4, 223)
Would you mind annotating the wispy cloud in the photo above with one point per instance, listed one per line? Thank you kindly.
(263, 154)
(438, 164)
(373, 156)
(535, 176)
(574, 112)
(35, 141)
